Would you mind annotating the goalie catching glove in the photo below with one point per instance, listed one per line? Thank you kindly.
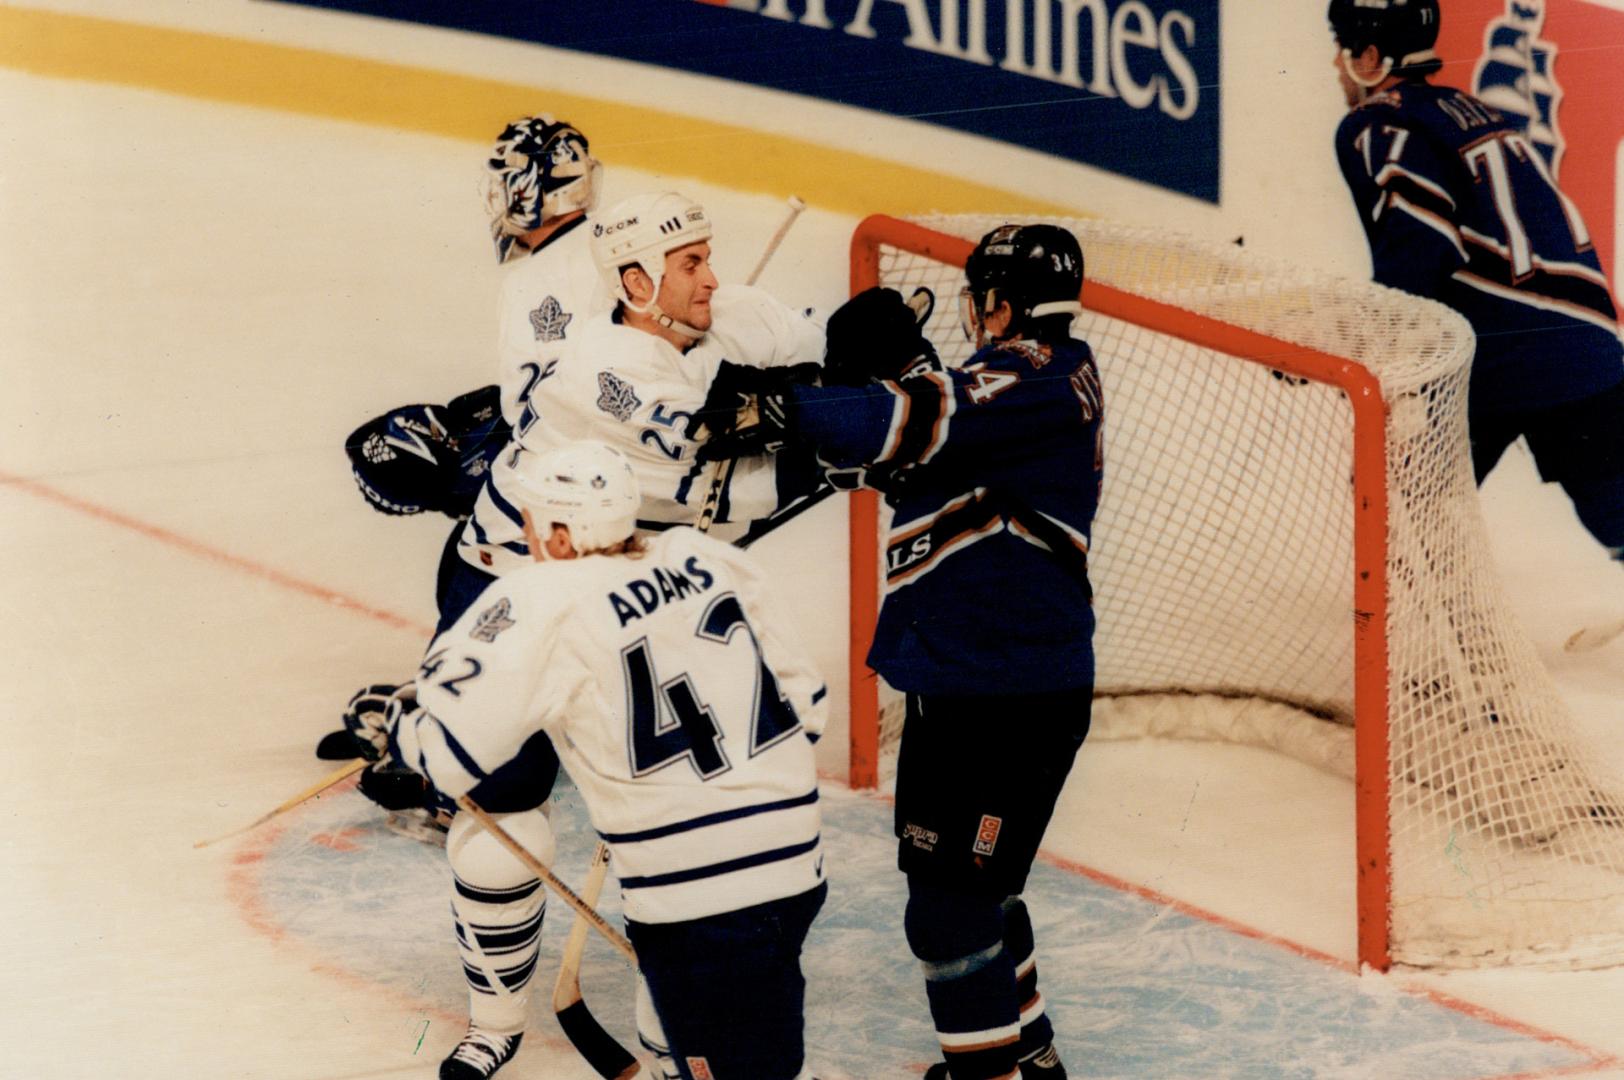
(421, 458)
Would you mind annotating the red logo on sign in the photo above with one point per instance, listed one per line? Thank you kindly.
(700, 1068)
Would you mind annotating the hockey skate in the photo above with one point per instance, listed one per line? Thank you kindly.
(479, 1055)
(424, 826)
(1043, 1065)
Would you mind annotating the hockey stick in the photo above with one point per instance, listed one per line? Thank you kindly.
(539, 868)
(348, 770)
(1594, 637)
(722, 471)
(607, 1057)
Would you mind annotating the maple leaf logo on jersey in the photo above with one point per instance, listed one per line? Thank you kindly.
(492, 621)
(1517, 75)
(549, 320)
(616, 397)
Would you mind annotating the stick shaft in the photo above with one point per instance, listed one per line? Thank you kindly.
(344, 772)
(721, 473)
(795, 208)
(537, 867)
(567, 989)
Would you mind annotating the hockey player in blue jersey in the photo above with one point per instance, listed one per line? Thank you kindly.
(1460, 207)
(993, 471)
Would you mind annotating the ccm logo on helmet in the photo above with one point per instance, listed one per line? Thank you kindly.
(605, 230)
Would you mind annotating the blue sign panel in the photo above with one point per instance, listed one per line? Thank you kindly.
(1126, 85)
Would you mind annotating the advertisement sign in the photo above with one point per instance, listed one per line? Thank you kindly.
(1131, 86)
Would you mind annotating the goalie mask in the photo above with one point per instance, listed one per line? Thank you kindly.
(1403, 31)
(641, 231)
(539, 169)
(586, 486)
(1036, 269)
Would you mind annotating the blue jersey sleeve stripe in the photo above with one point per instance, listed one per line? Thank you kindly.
(706, 820)
(698, 873)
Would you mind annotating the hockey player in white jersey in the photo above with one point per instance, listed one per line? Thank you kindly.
(684, 714)
(636, 376)
(541, 183)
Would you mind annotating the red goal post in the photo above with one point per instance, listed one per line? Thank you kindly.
(1479, 734)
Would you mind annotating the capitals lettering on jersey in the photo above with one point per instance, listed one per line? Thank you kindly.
(663, 584)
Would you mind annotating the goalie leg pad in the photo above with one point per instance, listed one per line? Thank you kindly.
(497, 906)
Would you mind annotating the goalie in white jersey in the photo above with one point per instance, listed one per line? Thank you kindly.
(685, 715)
(541, 183)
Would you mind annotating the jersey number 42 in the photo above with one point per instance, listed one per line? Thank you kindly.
(667, 721)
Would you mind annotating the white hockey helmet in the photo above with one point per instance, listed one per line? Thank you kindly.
(539, 169)
(586, 486)
(641, 231)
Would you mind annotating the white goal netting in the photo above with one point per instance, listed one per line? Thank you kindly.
(1224, 571)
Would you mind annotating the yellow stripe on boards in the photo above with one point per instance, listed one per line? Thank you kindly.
(315, 83)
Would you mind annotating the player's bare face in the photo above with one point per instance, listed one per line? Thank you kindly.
(686, 288)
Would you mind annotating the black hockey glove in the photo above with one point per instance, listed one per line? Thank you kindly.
(733, 388)
(405, 461)
(366, 722)
(877, 335)
(764, 431)
(395, 787)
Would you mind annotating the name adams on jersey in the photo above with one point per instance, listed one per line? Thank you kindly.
(675, 700)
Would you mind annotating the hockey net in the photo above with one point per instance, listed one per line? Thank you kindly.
(1289, 553)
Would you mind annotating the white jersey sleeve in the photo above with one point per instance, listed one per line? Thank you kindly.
(546, 299)
(676, 702)
(637, 392)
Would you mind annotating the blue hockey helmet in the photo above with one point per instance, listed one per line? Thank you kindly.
(1036, 269)
(1403, 31)
(539, 168)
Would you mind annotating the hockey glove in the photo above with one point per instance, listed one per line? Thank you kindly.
(405, 461)
(395, 787)
(730, 394)
(877, 335)
(766, 432)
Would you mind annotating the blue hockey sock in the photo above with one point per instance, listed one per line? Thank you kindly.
(969, 980)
